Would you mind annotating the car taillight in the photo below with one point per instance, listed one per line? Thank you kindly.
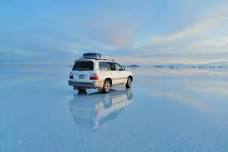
(71, 76)
(94, 76)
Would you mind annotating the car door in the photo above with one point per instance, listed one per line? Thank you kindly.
(120, 74)
(105, 70)
(109, 71)
(113, 73)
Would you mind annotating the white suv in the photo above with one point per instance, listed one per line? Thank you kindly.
(95, 71)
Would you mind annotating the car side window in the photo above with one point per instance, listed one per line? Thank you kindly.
(118, 67)
(104, 66)
(113, 67)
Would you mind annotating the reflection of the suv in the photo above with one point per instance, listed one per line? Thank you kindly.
(93, 110)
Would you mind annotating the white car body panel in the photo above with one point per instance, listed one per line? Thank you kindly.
(81, 76)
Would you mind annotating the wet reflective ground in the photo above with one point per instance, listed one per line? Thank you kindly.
(166, 110)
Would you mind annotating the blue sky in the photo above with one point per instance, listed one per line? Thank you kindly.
(45, 28)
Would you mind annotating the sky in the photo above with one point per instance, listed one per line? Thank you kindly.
(162, 30)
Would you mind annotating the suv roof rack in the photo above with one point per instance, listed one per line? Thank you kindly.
(96, 56)
(92, 55)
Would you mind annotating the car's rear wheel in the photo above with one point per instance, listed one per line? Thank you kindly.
(128, 84)
(81, 90)
(107, 86)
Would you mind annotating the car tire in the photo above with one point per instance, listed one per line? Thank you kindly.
(128, 84)
(81, 90)
(107, 86)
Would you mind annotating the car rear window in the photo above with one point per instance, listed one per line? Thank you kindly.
(83, 66)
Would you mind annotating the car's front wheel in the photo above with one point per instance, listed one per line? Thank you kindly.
(128, 84)
(107, 86)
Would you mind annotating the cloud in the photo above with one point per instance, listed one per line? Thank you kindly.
(198, 28)
(217, 44)
(114, 31)
(118, 35)
(76, 29)
(208, 34)
(203, 25)
(187, 99)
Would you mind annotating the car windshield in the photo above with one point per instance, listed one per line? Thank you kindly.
(83, 66)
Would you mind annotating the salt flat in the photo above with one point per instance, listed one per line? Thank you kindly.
(166, 110)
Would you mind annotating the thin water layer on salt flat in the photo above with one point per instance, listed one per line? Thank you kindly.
(166, 110)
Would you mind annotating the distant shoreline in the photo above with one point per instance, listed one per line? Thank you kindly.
(157, 66)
